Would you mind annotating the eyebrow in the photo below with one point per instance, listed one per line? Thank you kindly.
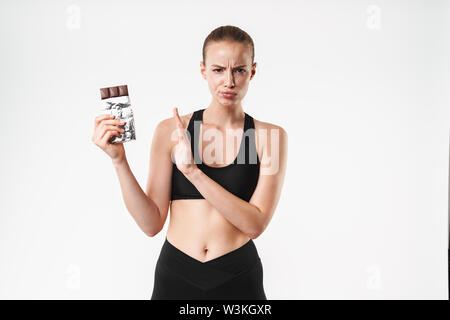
(216, 65)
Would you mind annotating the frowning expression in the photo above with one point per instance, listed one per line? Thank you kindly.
(228, 69)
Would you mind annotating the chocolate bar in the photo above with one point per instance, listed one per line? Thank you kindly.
(116, 101)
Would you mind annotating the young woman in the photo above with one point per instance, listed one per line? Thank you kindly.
(217, 205)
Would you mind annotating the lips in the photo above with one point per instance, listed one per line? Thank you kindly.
(228, 94)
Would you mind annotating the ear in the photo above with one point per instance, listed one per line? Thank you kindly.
(253, 70)
(203, 70)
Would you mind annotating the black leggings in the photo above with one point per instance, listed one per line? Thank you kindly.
(237, 274)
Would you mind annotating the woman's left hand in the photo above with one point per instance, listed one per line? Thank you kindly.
(182, 154)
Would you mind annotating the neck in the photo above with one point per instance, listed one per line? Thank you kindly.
(221, 115)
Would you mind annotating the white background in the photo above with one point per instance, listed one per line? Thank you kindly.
(360, 87)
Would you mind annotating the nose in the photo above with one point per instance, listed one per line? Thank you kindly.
(229, 82)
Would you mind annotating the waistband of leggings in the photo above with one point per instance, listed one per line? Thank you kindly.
(246, 255)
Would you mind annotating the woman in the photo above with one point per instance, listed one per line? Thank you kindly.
(218, 206)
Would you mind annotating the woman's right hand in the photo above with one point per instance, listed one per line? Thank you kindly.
(106, 126)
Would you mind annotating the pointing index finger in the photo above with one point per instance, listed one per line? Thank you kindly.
(180, 127)
(177, 118)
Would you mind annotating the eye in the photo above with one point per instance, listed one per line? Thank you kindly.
(220, 69)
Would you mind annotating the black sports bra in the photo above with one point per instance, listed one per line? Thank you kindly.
(240, 177)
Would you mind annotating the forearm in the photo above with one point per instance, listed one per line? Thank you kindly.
(141, 207)
(238, 212)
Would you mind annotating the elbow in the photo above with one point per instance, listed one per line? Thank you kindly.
(254, 235)
(151, 232)
(258, 228)
(256, 232)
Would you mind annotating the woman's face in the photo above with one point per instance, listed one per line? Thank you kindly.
(228, 69)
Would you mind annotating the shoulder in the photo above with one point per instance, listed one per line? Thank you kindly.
(165, 131)
(261, 125)
(169, 124)
(272, 145)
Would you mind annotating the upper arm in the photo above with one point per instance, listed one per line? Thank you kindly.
(159, 180)
(274, 147)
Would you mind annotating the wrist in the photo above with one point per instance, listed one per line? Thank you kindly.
(193, 174)
(119, 162)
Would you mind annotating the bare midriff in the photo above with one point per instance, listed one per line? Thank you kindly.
(200, 231)
(196, 227)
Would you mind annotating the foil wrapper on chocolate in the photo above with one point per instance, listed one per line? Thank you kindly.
(116, 101)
